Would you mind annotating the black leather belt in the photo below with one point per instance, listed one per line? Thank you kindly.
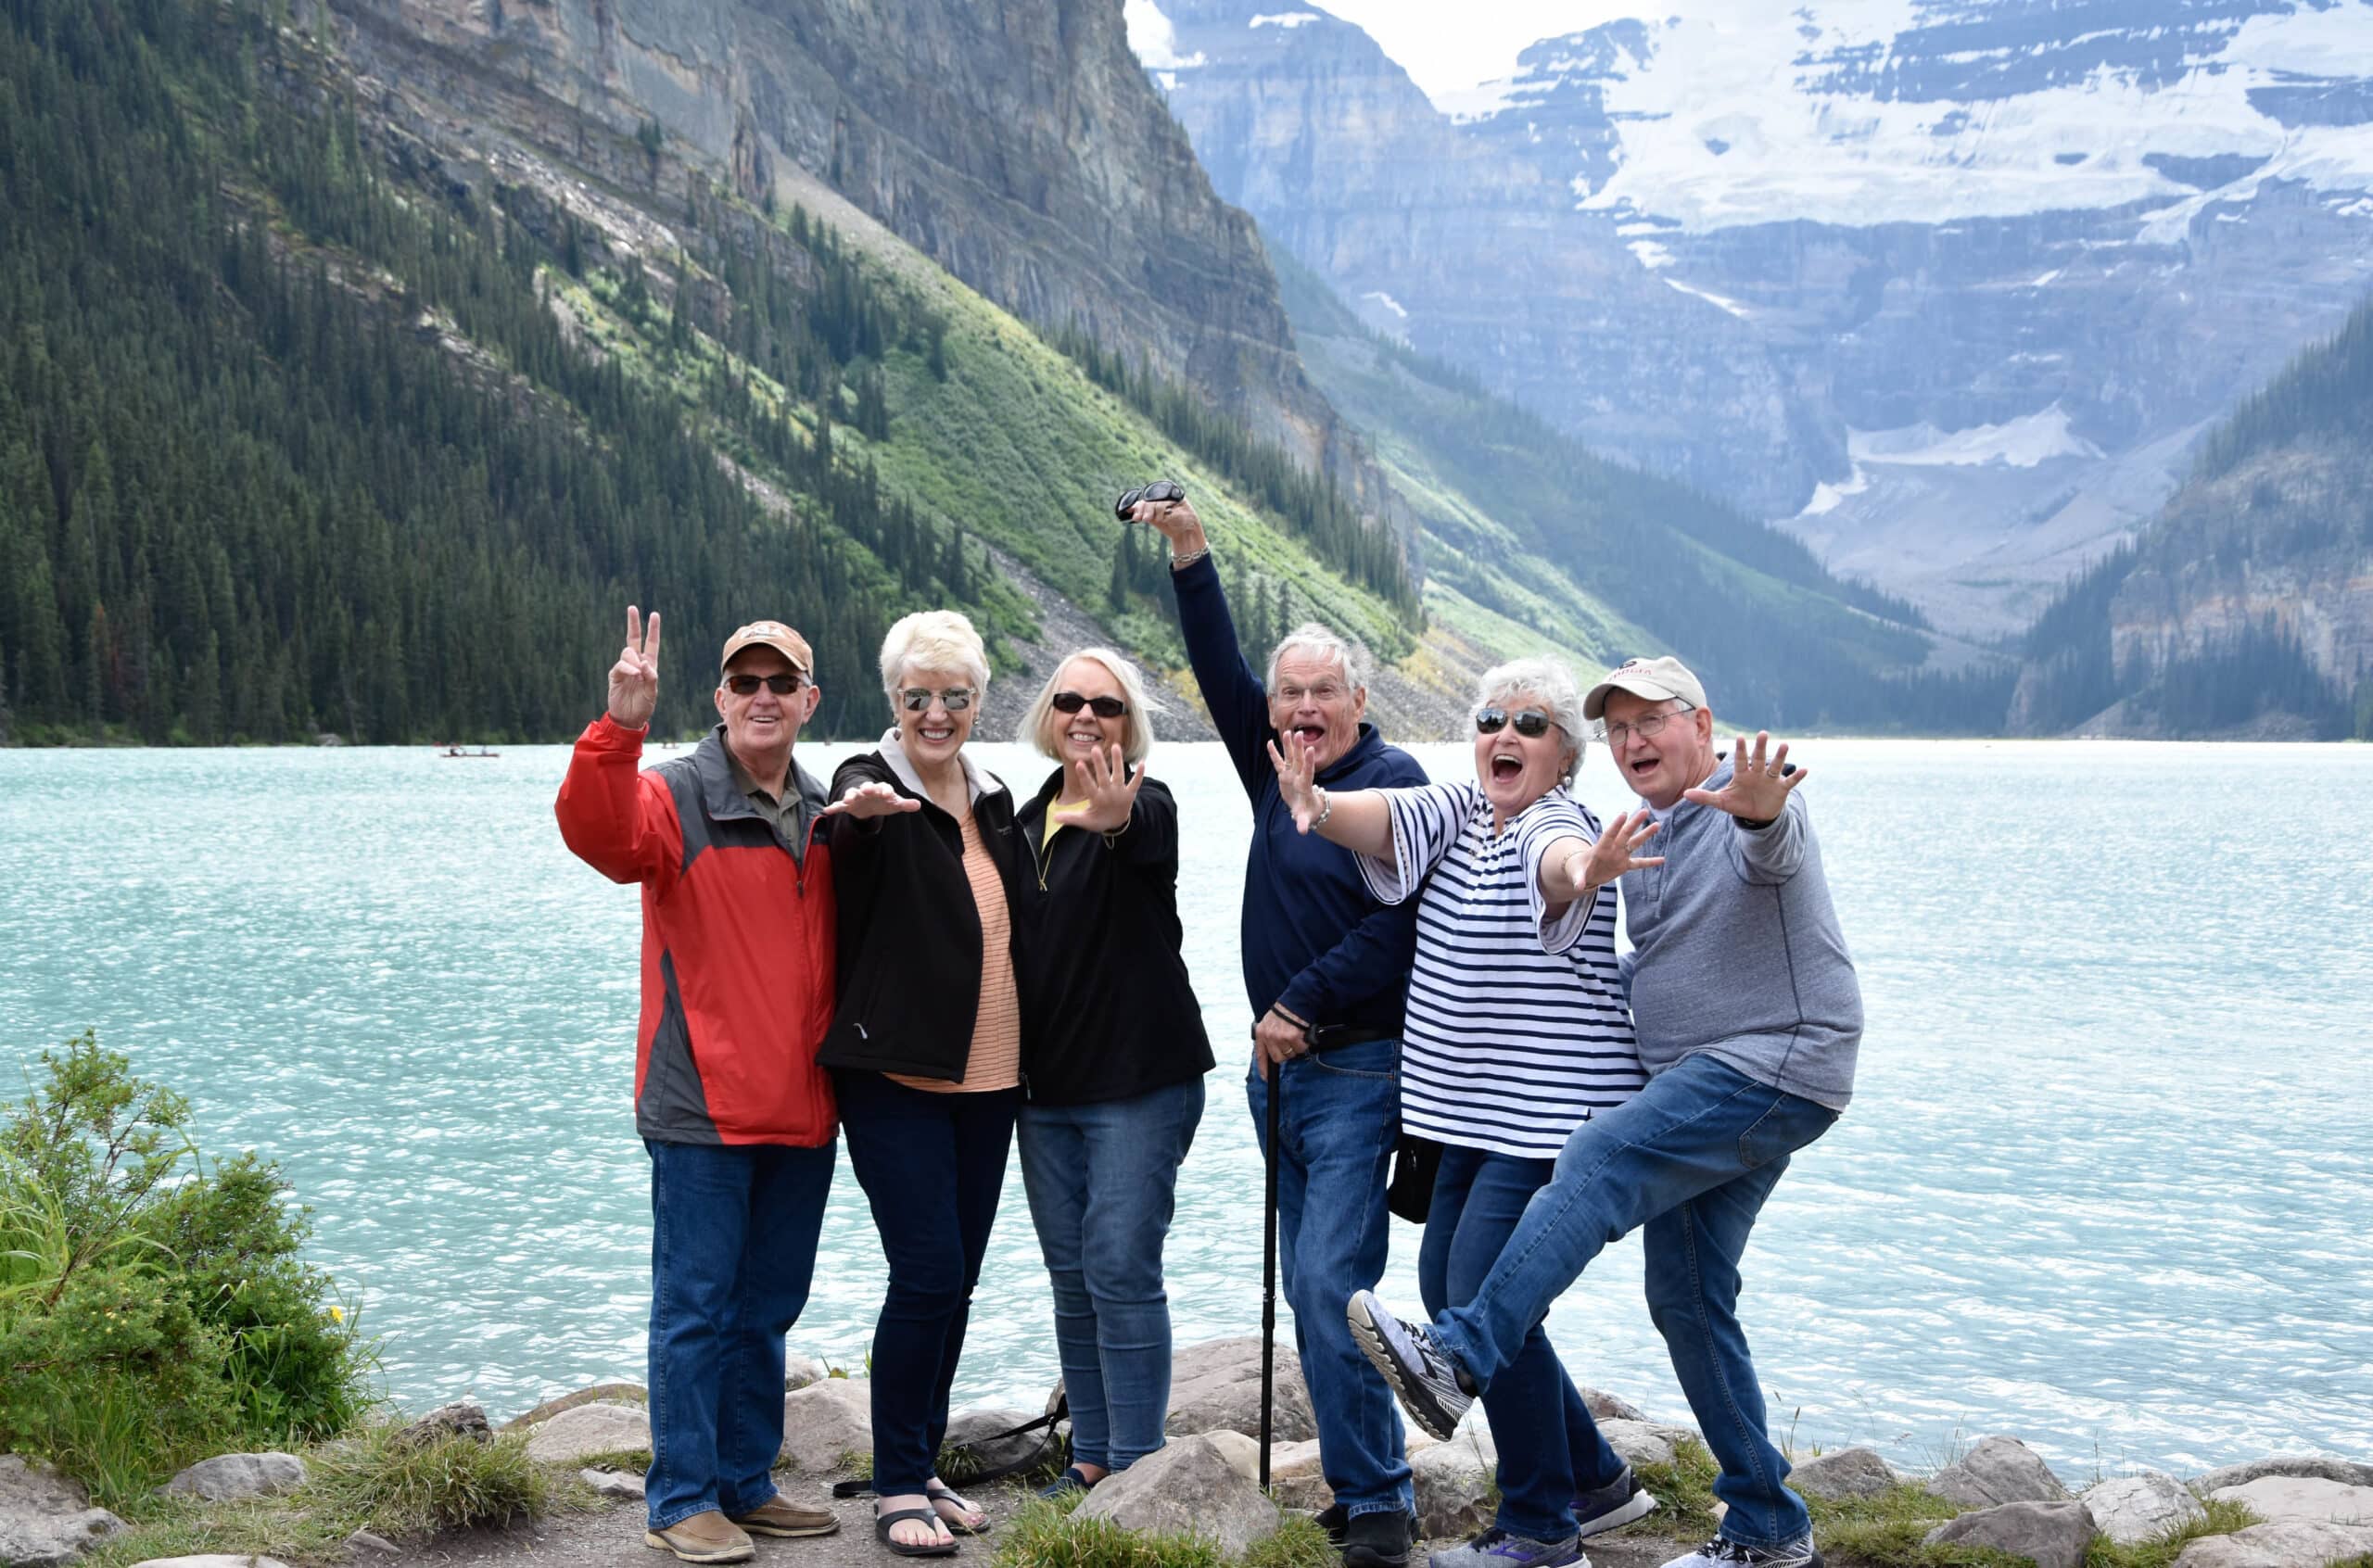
(1335, 1037)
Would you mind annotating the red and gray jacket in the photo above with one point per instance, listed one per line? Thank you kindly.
(737, 940)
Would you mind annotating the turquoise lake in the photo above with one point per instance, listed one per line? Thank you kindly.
(2104, 1183)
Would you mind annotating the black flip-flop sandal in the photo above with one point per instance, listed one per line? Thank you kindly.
(948, 1494)
(882, 1523)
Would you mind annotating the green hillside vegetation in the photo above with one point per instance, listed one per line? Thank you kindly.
(2281, 498)
(1528, 528)
(288, 445)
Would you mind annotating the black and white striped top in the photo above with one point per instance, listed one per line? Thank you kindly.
(1517, 1030)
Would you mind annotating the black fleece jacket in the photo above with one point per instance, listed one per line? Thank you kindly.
(1103, 982)
(909, 935)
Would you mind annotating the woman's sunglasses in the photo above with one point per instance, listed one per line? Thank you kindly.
(747, 684)
(1530, 723)
(955, 699)
(1072, 702)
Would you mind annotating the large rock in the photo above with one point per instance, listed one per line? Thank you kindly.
(2053, 1534)
(47, 1518)
(1297, 1477)
(2130, 1510)
(2280, 1499)
(600, 1393)
(1185, 1484)
(579, 1434)
(1848, 1472)
(2000, 1470)
(976, 1431)
(826, 1425)
(1604, 1406)
(1644, 1442)
(226, 1476)
(462, 1418)
(1217, 1385)
(2317, 1465)
(2294, 1545)
(1456, 1483)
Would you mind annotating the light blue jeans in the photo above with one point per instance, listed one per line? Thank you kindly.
(1690, 1157)
(1102, 1180)
(1338, 1117)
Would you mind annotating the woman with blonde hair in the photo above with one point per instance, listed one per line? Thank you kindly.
(1117, 1053)
(925, 1045)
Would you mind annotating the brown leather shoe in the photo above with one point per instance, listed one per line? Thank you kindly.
(708, 1537)
(778, 1517)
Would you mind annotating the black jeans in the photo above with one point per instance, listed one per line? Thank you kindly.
(932, 1167)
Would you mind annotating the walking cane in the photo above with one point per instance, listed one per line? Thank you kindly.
(1269, 1267)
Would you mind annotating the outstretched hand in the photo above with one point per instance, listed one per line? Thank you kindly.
(1760, 786)
(1102, 791)
(634, 680)
(1618, 849)
(877, 799)
(1298, 783)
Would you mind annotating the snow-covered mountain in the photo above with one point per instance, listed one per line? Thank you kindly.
(1950, 284)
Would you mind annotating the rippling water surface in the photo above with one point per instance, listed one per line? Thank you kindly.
(2104, 1182)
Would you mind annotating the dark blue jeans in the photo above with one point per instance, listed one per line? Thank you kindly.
(732, 1250)
(1692, 1158)
(932, 1167)
(1339, 1117)
(1102, 1181)
(1548, 1443)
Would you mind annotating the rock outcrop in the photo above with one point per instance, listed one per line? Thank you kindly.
(2132, 1508)
(47, 1518)
(1187, 1484)
(1998, 1470)
(227, 1477)
(2052, 1535)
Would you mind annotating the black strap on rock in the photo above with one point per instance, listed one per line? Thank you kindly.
(1030, 1462)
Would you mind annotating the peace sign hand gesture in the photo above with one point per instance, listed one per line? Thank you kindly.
(1759, 788)
(1103, 793)
(634, 680)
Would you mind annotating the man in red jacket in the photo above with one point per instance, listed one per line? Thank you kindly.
(737, 993)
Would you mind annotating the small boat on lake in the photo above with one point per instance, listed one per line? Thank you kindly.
(453, 749)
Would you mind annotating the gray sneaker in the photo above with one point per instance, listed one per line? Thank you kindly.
(1497, 1548)
(1723, 1552)
(1613, 1506)
(1427, 1380)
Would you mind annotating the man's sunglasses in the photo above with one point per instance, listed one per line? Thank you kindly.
(781, 684)
(1530, 723)
(916, 699)
(1159, 491)
(1072, 702)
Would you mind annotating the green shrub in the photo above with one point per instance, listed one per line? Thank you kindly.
(154, 1308)
(1047, 1532)
(414, 1487)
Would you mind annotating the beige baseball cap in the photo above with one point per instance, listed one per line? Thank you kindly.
(774, 635)
(1657, 679)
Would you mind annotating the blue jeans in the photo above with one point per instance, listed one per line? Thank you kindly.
(1102, 1181)
(1692, 1158)
(734, 1233)
(932, 1167)
(1340, 1115)
(1549, 1446)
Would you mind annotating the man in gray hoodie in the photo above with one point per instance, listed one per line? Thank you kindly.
(1748, 1015)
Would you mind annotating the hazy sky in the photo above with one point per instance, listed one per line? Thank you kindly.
(1446, 44)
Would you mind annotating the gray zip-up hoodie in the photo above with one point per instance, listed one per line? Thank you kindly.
(1736, 952)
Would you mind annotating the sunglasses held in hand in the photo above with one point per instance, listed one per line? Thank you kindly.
(1530, 723)
(1159, 491)
(1072, 702)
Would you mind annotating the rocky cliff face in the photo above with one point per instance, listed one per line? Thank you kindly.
(1014, 141)
(1952, 292)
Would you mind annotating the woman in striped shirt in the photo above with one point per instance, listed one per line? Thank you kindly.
(1517, 1033)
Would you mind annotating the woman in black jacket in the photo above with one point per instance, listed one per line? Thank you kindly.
(925, 1045)
(1117, 1053)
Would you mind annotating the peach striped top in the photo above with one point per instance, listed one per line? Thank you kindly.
(995, 1059)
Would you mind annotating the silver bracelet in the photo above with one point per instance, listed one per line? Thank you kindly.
(1180, 563)
(1325, 807)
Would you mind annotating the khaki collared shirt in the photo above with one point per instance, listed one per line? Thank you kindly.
(789, 818)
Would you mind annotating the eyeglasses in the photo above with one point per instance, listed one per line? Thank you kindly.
(955, 699)
(1530, 723)
(1072, 702)
(781, 684)
(1159, 491)
(1323, 692)
(1644, 728)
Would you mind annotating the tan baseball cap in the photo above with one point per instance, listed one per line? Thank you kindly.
(774, 635)
(1657, 679)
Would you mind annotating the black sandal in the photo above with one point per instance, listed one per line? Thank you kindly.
(882, 1523)
(948, 1494)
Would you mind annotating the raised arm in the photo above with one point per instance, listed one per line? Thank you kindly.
(1573, 867)
(1239, 704)
(1769, 844)
(611, 818)
(1360, 820)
